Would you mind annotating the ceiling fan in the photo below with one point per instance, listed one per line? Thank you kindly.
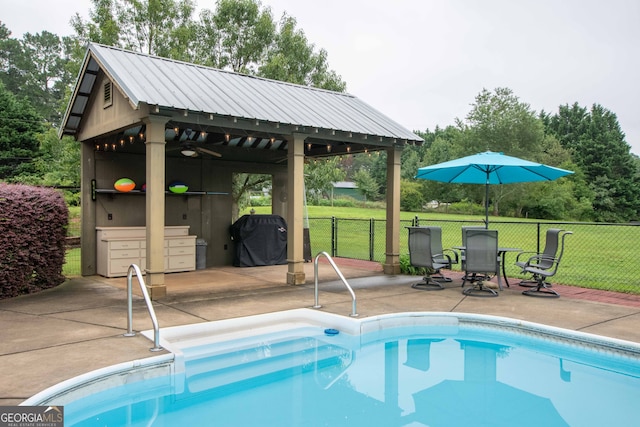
(191, 150)
(189, 142)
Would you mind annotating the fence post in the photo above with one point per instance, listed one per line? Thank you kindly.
(538, 242)
(372, 235)
(416, 221)
(334, 236)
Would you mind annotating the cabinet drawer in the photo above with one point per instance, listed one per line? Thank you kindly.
(119, 267)
(182, 262)
(125, 253)
(125, 244)
(174, 243)
(182, 251)
(143, 244)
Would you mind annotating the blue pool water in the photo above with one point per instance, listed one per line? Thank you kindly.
(421, 375)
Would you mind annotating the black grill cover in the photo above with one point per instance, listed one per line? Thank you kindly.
(259, 240)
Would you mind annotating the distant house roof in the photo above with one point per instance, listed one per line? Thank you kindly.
(166, 83)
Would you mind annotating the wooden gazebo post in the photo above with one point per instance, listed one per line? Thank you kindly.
(295, 210)
(392, 253)
(155, 206)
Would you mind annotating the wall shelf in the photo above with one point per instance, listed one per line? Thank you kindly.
(95, 191)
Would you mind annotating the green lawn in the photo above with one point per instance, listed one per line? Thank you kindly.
(582, 264)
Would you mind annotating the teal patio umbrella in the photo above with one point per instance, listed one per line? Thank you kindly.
(490, 168)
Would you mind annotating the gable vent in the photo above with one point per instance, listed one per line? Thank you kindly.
(107, 90)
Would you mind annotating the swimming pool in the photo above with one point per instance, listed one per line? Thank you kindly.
(407, 369)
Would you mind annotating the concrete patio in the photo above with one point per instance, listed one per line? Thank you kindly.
(78, 326)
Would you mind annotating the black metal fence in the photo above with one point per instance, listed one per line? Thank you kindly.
(597, 255)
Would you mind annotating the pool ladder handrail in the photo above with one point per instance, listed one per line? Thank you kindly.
(156, 329)
(337, 270)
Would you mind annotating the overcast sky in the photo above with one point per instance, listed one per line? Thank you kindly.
(422, 62)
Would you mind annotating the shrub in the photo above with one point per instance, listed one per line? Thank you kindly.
(411, 198)
(407, 268)
(342, 202)
(33, 226)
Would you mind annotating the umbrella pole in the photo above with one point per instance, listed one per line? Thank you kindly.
(486, 204)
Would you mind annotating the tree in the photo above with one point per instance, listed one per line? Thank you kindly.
(239, 35)
(47, 80)
(599, 149)
(35, 68)
(293, 59)
(11, 74)
(103, 26)
(57, 165)
(320, 175)
(19, 127)
(244, 33)
(411, 196)
(366, 184)
(242, 185)
(500, 122)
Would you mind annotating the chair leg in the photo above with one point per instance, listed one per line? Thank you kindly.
(528, 283)
(542, 289)
(440, 277)
(428, 284)
(479, 290)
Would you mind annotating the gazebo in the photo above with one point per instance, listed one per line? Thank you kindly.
(158, 121)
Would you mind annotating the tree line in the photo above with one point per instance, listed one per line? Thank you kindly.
(37, 73)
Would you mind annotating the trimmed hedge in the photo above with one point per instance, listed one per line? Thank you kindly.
(33, 228)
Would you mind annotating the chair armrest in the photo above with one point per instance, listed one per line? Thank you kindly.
(535, 260)
(455, 255)
(442, 259)
(545, 272)
(528, 254)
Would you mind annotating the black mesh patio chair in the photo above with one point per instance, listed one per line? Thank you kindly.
(464, 241)
(542, 267)
(542, 260)
(481, 262)
(425, 250)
